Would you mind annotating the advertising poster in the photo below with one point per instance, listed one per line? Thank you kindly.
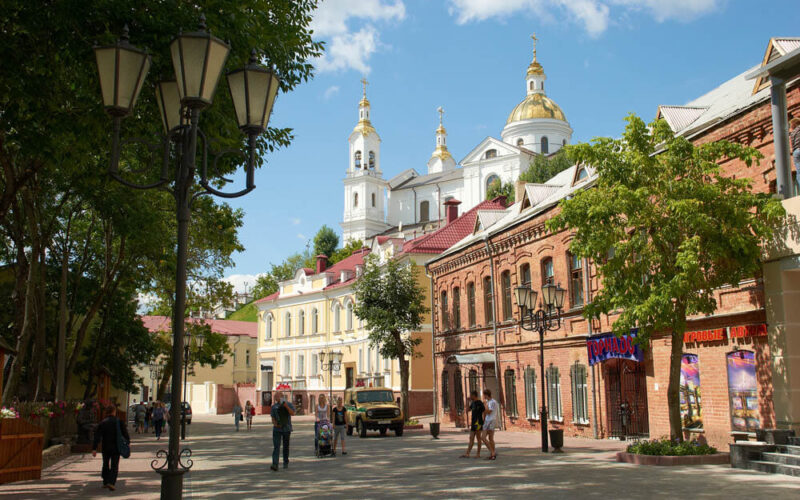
(742, 390)
(691, 413)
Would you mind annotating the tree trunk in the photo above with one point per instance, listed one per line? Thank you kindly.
(674, 387)
(61, 346)
(404, 386)
(23, 340)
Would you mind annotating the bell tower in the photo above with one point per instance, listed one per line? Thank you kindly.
(441, 159)
(363, 183)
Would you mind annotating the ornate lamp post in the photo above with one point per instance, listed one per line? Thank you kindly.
(547, 317)
(198, 340)
(198, 60)
(331, 362)
(155, 374)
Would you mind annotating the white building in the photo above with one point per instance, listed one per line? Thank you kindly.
(415, 202)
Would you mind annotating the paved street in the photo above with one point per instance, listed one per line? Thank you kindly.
(236, 465)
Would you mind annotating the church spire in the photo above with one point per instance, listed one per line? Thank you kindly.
(535, 77)
(364, 126)
(441, 159)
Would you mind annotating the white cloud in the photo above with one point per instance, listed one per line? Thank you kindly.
(239, 281)
(347, 47)
(301, 236)
(296, 221)
(593, 15)
(329, 92)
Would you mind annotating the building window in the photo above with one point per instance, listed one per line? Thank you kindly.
(355, 200)
(314, 365)
(314, 320)
(360, 360)
(743, 391)
(459, 392)
(488, 310)
(287, 365)
(691, 411)
(554, 393)
(358, 159)
(575, 280)
(301, 365)
(445, 392)
(424, 211)
(373, 199)
(349, 318)
(525, 275)
(511, 393)
(520, 142)
(582, 174)
(369, 360)
(456, 308)
(371, 159)
(491, 180)
(530, 85)
(288, 324)
(337, 323)
(471, 303)
(301, 322)
(490, 153)
(547, 272)
(580, 395)
(268, 328)
(505, 279)
(545, 145)
(443, 308)
(531, 409)
(247, 358)
(473, 382)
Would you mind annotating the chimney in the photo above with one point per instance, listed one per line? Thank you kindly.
(519, 190)
(451, 209)
(322, 263)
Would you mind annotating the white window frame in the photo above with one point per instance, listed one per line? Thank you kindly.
(554, 406)
(314, 365)
(301, 365)
(287, 365)
(288, 326)
(301, 322)
(349, 316)
(531, 404)
(580, 394)
(268, 328)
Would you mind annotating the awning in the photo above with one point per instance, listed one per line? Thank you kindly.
(470, 359)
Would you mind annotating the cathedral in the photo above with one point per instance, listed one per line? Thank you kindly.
(415, 202)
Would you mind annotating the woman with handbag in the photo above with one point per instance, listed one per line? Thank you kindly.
(115, 443)
(249, 412)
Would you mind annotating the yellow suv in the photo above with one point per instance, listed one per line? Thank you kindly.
(372, 408)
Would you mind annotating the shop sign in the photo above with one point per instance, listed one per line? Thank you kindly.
(608, 346)
(724, 333)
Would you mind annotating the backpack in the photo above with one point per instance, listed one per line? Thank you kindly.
(123, 447)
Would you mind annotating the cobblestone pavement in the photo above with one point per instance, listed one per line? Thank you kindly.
(231, 464)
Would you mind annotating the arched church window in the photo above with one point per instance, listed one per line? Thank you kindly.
(520, 142)
(373, 199)
(371, 159)
(490, 180)
(358, 159)
(355, 200)
(582, 173)
(563, 142)
(545, 145)
(424, 211)
(491, 153)
(531, 85)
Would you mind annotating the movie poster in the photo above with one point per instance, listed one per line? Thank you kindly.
(691, 412)
(743, 391)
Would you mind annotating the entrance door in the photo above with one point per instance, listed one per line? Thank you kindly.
(349, 377)
(490, 381)
(626, 399)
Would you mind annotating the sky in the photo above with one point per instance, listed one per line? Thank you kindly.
(603, 59)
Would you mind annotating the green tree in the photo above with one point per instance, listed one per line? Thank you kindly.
(346, 251)
(325, 241)
(391, 303)
(267, 284)
(665, 229)
(498, 188)
(543, 168)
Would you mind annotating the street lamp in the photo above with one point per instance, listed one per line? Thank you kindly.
(333, 363)
(544, 318)
(198, 60)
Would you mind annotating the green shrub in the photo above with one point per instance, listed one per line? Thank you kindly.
(670, 448)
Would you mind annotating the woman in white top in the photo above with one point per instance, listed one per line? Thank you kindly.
(249, 411)
(322, 409)
(490, 423)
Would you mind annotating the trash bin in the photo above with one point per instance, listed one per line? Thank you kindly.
(557, 440)
(434, 427)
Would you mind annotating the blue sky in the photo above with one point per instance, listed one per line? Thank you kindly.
(603, 60)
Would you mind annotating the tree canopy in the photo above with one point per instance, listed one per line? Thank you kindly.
(325, 241)
(665, 228)
(544, 168)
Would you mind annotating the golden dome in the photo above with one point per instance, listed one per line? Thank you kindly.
(442, 153)
(536, 106)
(363, 102)
(535, 68)
(441, 130)
(364, 127)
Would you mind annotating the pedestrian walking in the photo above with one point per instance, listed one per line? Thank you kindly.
(490, 423)
(476, 409)
(139, 413)
(237, 415)
(339, 425)
(160, 415)
(249, 412)
(148, 417)
(107, 433)
(281, 414)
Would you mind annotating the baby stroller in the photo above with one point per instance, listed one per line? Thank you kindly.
(322, 439)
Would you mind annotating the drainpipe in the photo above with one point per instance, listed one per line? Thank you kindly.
(433, 352)
(494, 328)
(415, 204)
(588, 288)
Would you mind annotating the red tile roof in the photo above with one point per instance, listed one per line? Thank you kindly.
(308, 271)
(222, 326)
(347, 264)
(447, 236)
(268, 298)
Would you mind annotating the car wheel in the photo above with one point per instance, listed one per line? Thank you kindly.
(362, 429)
(383, 431)
(349, 430)
(398, 432)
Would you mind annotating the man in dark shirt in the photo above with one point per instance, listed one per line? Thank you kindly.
(339, 425)
(281, 414)
(106, 432)
(476, 409)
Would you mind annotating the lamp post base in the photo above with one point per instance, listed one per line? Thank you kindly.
(171, 483)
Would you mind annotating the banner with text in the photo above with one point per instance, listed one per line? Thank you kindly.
(608, 346)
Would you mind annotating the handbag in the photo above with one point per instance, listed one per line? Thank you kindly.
(123, 447)
(241, 417)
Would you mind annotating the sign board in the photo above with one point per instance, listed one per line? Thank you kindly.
(608, 346)
(725, 333)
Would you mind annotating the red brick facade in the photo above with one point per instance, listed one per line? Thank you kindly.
(606, 384)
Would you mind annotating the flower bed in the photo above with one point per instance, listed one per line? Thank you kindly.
(666, 452)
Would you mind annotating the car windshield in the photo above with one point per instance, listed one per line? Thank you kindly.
(375, 397)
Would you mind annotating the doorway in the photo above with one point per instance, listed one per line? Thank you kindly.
(349, 377)
(626, 399)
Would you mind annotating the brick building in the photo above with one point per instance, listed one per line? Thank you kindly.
(732, 357)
